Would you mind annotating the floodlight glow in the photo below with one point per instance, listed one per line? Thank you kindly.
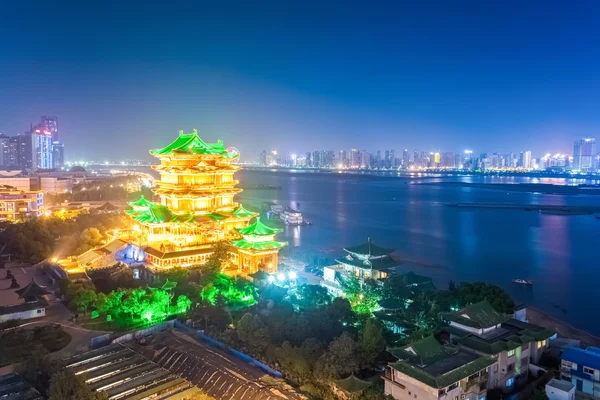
(271, 278)
(280, 277)
(292, 275)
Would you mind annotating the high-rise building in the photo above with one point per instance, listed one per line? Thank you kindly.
(308, 159)
(316, 159)
(584, 151)
(21, 151)
(386, 161)
(263, 158)
(378, 159)
(365, 160)
(525, 159)
(354, 158)
(405, 158)
(392, 159)
(58, 155)
(4, 150)
(50, 124)
(41, 147)
(417, 161)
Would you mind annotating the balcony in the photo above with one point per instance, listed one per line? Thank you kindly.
(475, 384)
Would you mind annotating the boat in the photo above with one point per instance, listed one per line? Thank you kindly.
(523, 282)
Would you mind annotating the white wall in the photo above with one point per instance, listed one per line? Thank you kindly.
(37, 313)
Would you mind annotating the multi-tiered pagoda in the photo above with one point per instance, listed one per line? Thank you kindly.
(197, 209)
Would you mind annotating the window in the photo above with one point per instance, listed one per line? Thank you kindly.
(588, 370)
(496, 367)
(509, 382)
(510, 367)
(39, 311)
(455, 397)
(541, 343)
(510, 353)
(453, 386)
(409, 393)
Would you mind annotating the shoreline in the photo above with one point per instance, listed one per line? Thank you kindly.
(563, 329)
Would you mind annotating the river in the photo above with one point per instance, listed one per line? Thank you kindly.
(559, 253)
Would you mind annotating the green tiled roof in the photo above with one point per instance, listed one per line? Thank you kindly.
(156, 214)
(369, 248)
(352, 384)
(258, 229)
(215, 216)
(479, 315)
(141, 202)
(447, 379)
(242, 212)
(266, 245)
(494, 347)
(192, 144)
(379, 264)
(428, 350)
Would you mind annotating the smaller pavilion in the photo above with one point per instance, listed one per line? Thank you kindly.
(32, 292)
(258, 250)
(368, 260)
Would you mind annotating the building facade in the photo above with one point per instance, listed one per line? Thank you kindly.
(18, 205)
(584, 151)
(581, 367)
(41, 147)
(197, 209)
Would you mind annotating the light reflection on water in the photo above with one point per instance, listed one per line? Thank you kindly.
(496, 245)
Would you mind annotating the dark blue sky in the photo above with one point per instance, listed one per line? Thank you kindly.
(440, 75)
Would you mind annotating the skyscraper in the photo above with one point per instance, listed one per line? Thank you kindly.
(4, 150)
(58, 155)
(263, 158)
(405, 158)
(525, 159)
(41, 147)
(50, 124)
(584, 151)
(21, 151)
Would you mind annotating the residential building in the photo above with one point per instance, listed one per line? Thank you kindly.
(21, 151)
(50, 124)
(584, 151)
(513, 344)
(581, 367)
(428, 370)
(525, 159)
(17, 205)
(4, 150)
(560, 390)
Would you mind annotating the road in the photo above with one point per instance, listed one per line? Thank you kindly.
(218, 373)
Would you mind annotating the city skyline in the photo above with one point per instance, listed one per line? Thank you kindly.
(412, 75)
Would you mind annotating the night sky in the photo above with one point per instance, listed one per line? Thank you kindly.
(296, 76)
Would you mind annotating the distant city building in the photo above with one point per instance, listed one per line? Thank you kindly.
(263, 158)
(405, 158)
(41, 146)
(5, 158)
(21, 151)
(50, 124)
(525, 159)
(584, 151)
(58, 155)
(354, 158)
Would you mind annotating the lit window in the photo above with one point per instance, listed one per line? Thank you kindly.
(509, 382)
(482, 398)
(510, 353)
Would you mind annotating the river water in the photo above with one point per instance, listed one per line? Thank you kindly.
(559, 253)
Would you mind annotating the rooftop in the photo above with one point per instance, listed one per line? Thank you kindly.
(560, 385)
(13, 387)
(141, 202)
(31, 290)
(258, 229)
(590, 357)
(122, 373)
(380, 264)
(352, 384)
(369, 249)
(266, 245)
(435, 364)
(478, 315)
(190, 143)
(16, 308)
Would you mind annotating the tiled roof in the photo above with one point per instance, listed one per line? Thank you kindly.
(352, 384)
(192, 144)
(369, 248)
(479, 315)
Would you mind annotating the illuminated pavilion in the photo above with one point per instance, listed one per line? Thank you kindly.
(197, 209)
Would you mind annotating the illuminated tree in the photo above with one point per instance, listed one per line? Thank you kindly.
(183, 303)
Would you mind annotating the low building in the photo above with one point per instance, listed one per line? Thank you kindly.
(17, 182)
(17, 205)
(368, 261)
(511, 343)
(428, 370)
(560, 390)
(55, 185)
(121, 373)
(34, 305)
(581, 367)
(14, 387)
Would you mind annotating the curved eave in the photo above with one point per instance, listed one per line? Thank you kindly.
(258, 246)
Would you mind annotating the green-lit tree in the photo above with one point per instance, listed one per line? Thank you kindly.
(183, 303)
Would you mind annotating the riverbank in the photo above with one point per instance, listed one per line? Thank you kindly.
(541, 208)
(563, 329)
(541, 188)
